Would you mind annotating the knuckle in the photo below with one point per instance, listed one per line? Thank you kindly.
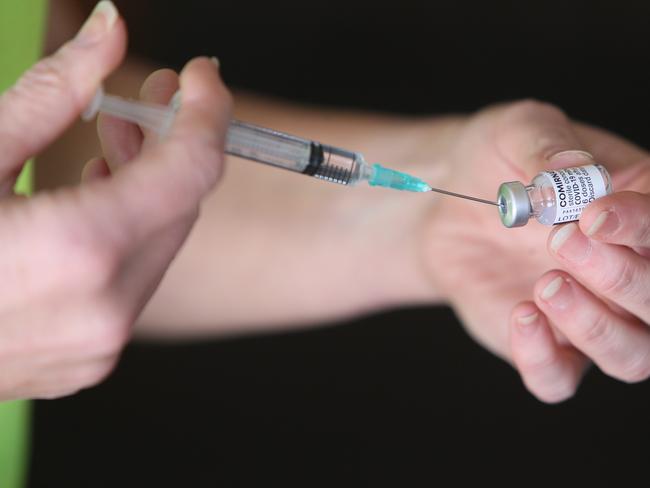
(618, 282)
(101, 334)
(206, 162)
(528, 127)
(635, 369)
(539, 364)
(530, 107)
(48, 72)
(110, 334)
(547, 379)
(84, 377)
(597, 334)
(641, 229)
(47, 80)
(96, 374)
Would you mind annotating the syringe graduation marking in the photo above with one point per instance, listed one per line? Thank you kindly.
(275, 148)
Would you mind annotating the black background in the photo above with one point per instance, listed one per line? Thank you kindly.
(399, 399)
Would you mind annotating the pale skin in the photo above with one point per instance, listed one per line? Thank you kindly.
(273, 248)
(82, 262)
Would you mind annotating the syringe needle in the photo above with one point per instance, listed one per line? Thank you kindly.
(467, 197)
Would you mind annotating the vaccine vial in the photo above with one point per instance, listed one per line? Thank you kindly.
(554, 196)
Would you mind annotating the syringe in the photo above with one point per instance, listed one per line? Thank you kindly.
(268, 146)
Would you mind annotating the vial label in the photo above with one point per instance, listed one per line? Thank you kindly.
(575, 188)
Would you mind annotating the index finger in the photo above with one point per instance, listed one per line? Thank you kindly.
(622, 218)
(168, 180)
(613, 272)
(48, 97)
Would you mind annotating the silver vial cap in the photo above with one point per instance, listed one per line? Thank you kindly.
(514, 204)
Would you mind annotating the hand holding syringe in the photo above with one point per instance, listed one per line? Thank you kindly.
(268, 146)
(543, 199)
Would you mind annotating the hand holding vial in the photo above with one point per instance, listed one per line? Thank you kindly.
(82, 262)
(596, 305)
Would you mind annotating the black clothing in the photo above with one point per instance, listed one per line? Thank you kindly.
(399, 399)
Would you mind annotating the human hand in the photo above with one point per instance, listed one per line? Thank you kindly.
(79, 264)
(483, 268)
(597, 306)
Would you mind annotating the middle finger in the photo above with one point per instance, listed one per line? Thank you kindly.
(616, 273)
(619, 346)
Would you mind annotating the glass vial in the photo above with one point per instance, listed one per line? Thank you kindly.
(554, 196)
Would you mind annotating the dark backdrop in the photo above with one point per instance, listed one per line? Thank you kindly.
(400, 399)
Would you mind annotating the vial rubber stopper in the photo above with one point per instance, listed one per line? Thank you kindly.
(514, 204)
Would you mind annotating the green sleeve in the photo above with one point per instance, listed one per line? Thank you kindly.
(14, 435)
(21, 28)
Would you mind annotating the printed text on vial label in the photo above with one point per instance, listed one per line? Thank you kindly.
(575, 188)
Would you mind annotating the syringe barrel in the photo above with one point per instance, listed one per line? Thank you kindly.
(294, 153)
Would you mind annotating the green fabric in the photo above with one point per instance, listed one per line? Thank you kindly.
(14, 423)
(21, 28)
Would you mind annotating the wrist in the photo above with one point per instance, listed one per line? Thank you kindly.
(397, 241)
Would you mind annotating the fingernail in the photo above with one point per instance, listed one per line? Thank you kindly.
(557, 293)
(216, 61)
(605, 224)
(101, 22)
(562, 235)
(526, 322)
(175, 102)
(571, 158)
(528, 319)
(571, 244)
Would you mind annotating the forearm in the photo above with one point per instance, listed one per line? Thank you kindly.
(274, 248)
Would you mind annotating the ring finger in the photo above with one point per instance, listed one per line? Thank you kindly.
(619, 346)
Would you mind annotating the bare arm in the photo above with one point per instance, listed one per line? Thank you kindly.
(275, 248)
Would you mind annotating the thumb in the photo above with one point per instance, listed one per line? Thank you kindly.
(168, 180)
(52, 94)
(534, 136)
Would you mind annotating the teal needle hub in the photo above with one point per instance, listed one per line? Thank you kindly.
(389, 178)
